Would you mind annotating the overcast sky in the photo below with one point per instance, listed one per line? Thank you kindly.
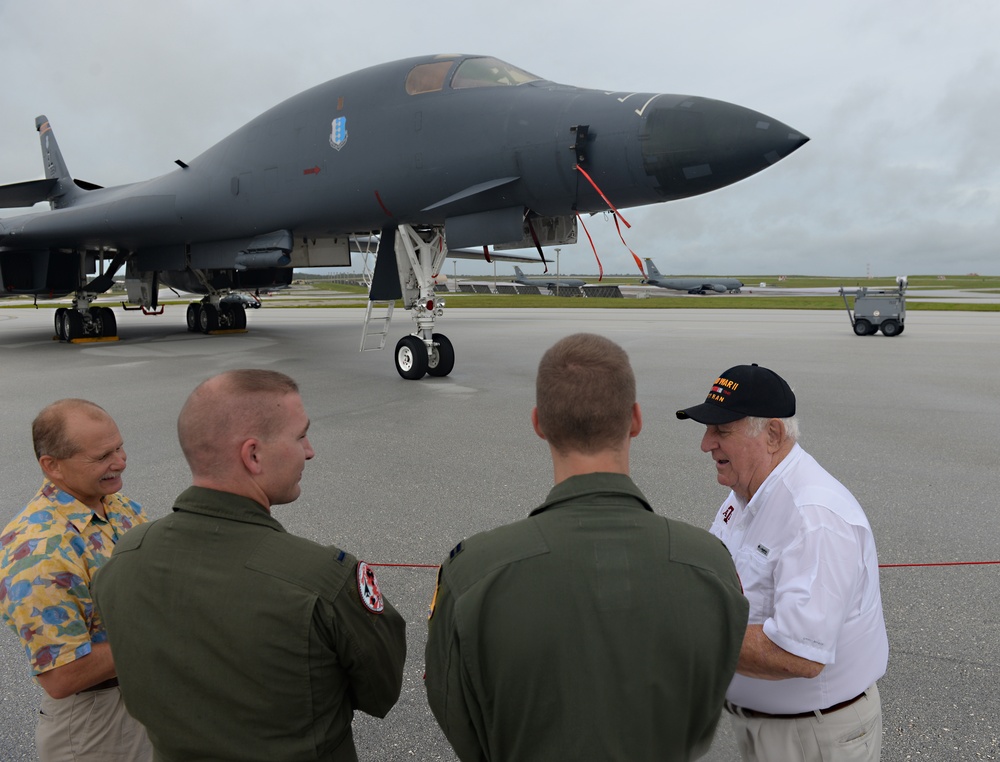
(901, 101)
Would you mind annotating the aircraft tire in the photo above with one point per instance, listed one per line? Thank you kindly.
(106, 322)
(239, 317)
(441, 359)
(890, 328)
(411, 358)
(73, 325)
(194, 317)
(208, 318)
(60, 323)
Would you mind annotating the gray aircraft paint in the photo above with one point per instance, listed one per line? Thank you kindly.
(691, 285)
(486, 156)
(548, 281)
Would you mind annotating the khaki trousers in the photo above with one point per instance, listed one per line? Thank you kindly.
(851, 734)
(92, 726)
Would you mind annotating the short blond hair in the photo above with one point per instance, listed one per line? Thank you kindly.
(584, 394)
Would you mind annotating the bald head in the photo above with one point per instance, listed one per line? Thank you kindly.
(49, 430)
(226, 410)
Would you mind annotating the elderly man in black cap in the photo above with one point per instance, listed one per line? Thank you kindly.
(816, 642)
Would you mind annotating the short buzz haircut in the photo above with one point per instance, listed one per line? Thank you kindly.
(48, 430)
(584, 393)
(237, 401)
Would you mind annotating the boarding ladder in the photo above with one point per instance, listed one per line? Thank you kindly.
(376, 327)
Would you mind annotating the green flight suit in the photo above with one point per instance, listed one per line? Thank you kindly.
(235, 640)
(594, 629)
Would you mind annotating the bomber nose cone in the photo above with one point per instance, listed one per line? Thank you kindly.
(695, 145)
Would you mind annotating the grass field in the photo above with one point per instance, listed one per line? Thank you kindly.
(676, 300)
(664, 299)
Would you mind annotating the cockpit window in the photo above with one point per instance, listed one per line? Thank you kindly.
(427, 78)
(488, 72)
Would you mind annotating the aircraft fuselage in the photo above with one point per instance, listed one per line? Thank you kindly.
(422, 159)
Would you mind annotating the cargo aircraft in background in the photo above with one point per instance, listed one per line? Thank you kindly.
(421, 156)
(692, 285)
(548, 281)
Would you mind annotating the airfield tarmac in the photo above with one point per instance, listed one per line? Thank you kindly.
(404, 470)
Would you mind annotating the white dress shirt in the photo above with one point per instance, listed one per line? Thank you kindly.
(806, 557)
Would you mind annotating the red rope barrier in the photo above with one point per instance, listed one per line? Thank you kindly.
(943, 563)
(412, 566)
(880, 566)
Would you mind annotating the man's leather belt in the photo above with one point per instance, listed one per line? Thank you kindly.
(109, 683)
(754, 714)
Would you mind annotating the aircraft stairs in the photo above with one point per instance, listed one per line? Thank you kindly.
(376, 325)
(378, 315)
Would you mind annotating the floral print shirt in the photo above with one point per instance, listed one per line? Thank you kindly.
(48, 555)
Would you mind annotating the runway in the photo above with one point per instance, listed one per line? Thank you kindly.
(404, 470)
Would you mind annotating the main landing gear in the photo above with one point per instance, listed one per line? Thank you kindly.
(206, 317)
(73, 324)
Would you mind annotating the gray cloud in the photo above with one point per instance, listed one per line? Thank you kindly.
(900, 100)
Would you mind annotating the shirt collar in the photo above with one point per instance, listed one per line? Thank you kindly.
(76, 513)
(772, 478)
(589, 484)
(225, 505)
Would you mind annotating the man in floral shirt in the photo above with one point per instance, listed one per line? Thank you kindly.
(48, 555)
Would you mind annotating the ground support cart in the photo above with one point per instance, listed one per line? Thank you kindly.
(878, 309)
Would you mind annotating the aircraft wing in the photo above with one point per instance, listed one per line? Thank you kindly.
(494, 255)
(26, 194)
(370, 243)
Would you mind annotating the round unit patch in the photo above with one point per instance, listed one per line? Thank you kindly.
(371, 596)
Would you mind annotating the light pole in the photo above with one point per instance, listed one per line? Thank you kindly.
(557, 270)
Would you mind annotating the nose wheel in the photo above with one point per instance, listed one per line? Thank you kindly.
(411, 358)
(414, 359)
(441, 356)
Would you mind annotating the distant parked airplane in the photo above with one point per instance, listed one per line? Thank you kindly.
(549, 281)
(692, 285)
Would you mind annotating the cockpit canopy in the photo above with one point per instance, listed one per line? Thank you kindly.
(472, 72)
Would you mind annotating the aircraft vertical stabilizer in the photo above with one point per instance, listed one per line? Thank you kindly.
(65, 191)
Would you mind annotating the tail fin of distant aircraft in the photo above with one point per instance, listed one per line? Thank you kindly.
(653, 272)
(517, 272)
(65, 191)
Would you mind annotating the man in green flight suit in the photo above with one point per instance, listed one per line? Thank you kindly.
(233, 639)
(594, 628)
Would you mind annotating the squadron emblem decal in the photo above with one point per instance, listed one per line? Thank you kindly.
(371, 596)
(338, 132)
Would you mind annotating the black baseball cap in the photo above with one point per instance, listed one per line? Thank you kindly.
(744, 391)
